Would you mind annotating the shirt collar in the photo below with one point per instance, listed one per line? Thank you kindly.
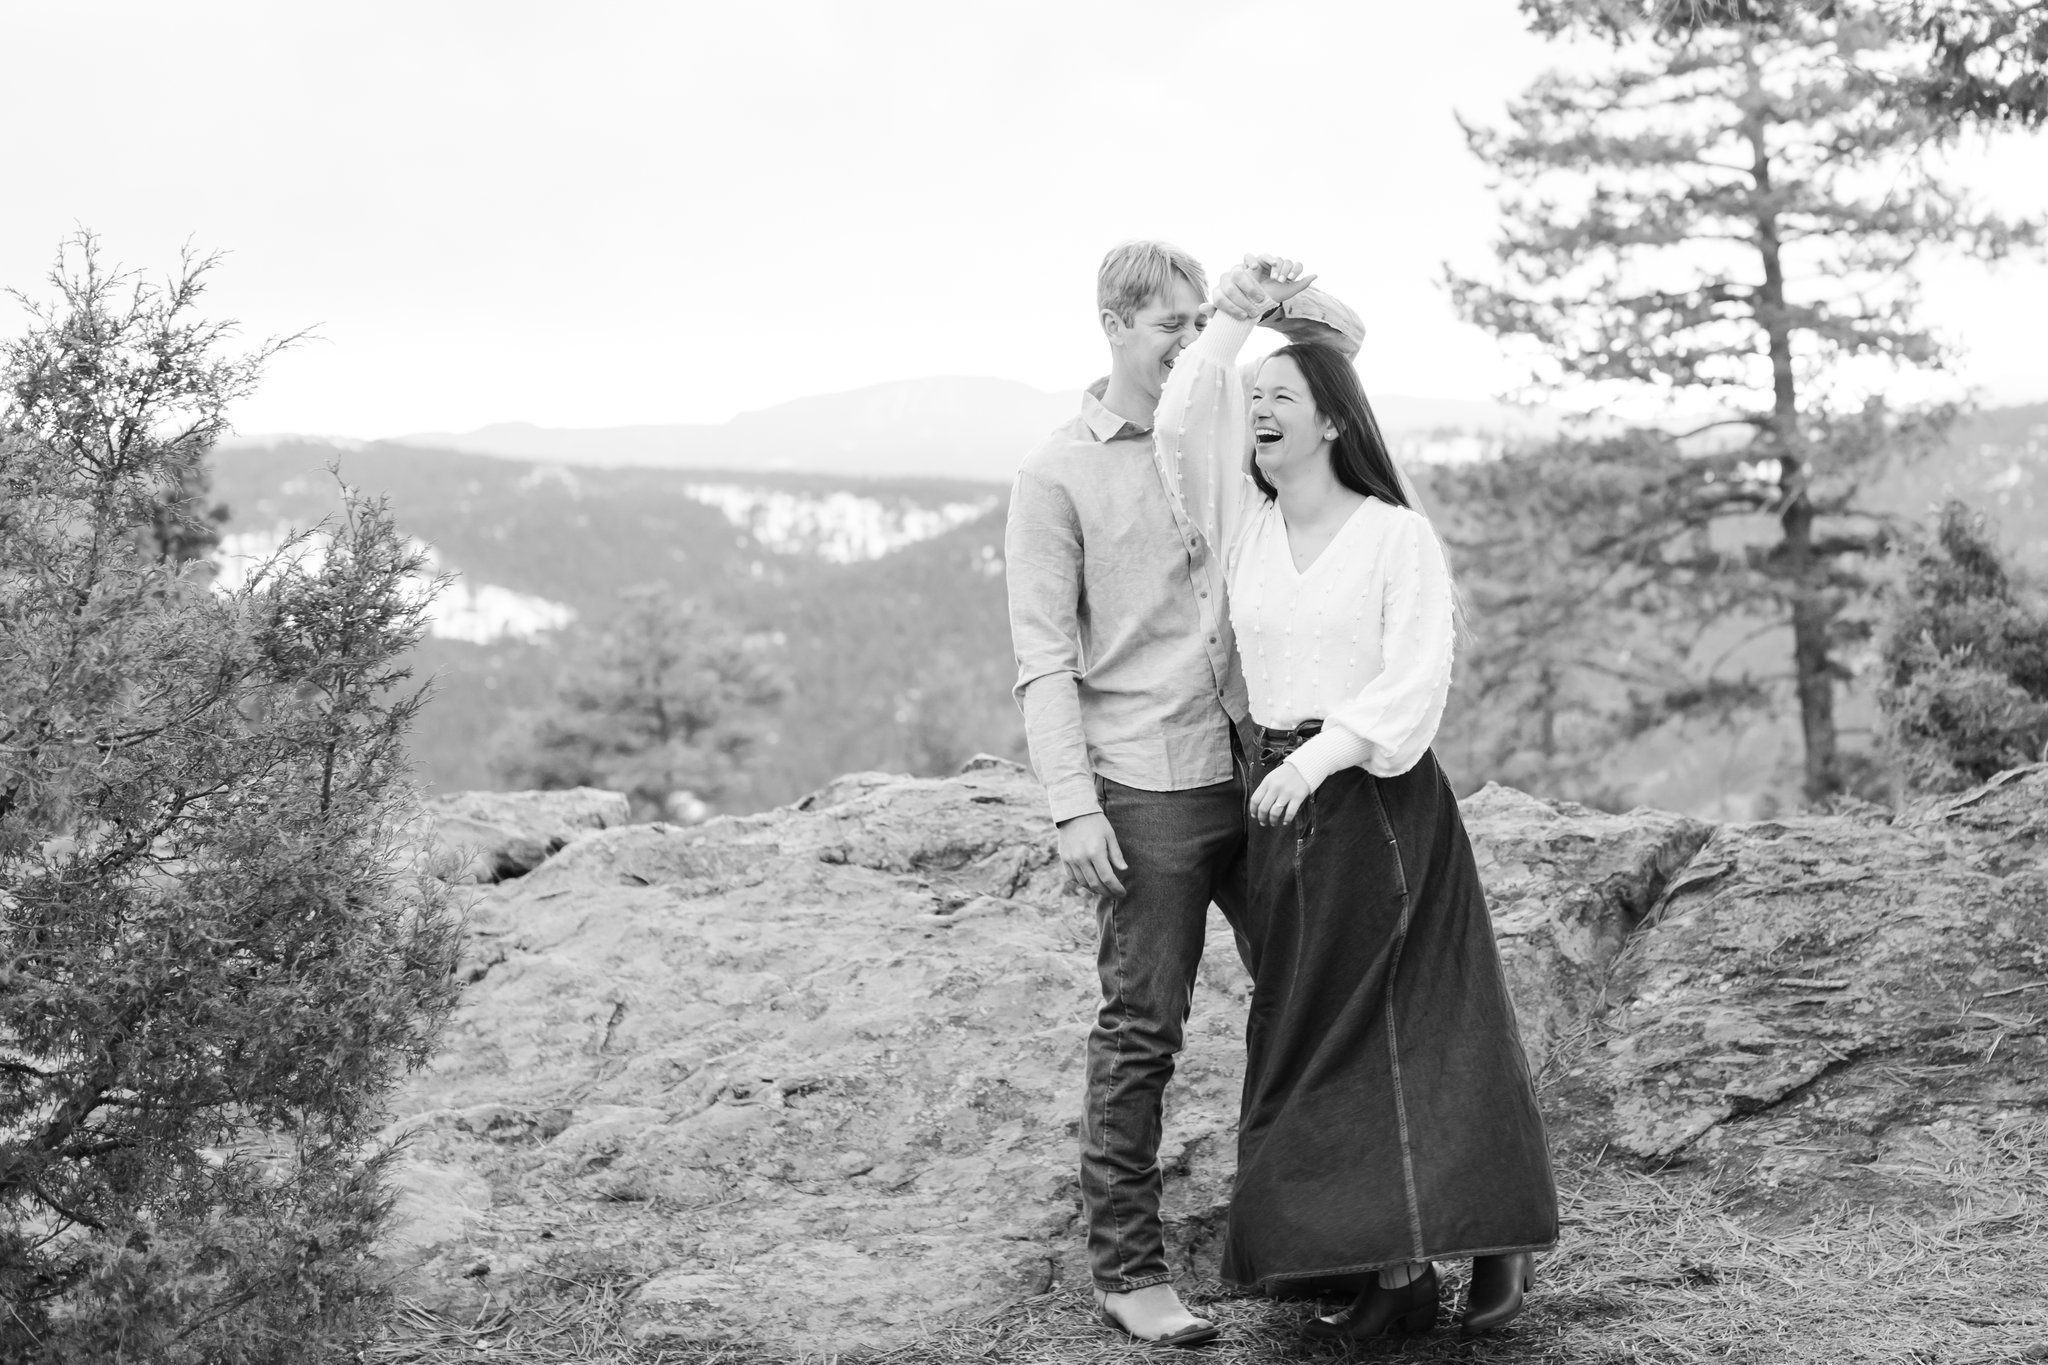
(1103, 424)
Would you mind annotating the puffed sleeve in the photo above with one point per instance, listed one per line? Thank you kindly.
(1200, 440)
(1389, 725)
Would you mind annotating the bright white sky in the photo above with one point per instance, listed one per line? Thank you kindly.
(602, 213)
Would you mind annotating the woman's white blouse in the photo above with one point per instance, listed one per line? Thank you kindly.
(1362, 638)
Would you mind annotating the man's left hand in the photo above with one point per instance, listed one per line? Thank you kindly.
(1279, 797)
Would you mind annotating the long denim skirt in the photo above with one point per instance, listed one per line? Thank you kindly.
(1388, 1113)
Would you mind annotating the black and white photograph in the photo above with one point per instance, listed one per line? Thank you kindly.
(1030, 684)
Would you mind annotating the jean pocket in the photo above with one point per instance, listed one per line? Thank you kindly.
(1305, 822)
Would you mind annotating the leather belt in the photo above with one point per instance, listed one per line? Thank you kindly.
(1274, 745)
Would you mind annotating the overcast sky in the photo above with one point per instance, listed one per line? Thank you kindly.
(608, 213)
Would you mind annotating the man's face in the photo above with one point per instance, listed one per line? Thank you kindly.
(1165, 326)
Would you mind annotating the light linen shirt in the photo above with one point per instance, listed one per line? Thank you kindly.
(1361, 639)
(1126, 665)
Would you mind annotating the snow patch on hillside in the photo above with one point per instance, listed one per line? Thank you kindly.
(477, 613)
(840, 527)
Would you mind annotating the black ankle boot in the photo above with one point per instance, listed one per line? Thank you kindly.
(1498, 1283)
(1382, 1312)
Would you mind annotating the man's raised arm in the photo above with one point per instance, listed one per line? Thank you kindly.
(1315, 316)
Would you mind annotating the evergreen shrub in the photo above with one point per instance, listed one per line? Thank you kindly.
(219, 946)
(1964, 653)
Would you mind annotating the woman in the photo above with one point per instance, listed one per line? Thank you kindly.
(1388, 1116)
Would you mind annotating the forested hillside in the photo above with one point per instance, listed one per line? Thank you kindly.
(883, 597)
(884, 603)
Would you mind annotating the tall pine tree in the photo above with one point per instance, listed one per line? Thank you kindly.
(1980, 61)
(1728, 215)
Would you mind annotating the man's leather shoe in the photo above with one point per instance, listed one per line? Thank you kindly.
(1199, 1333)
(1498, 1284)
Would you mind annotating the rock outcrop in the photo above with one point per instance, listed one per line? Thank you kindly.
(809, 1077)
(494, 836)
(812, 1075)
(1567, 886)
(1821, 1000)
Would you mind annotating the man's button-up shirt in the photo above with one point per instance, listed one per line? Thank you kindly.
(1126, 666)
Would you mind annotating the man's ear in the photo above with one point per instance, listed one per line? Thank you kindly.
(1114, 327)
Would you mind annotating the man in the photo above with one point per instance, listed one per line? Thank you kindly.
(1128, 678)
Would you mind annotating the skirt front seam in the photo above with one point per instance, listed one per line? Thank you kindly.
(1393, 1031)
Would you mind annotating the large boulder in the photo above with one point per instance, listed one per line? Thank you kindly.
(1567, 886)
(811, 1076)
(498, 835)
(1822, 1000)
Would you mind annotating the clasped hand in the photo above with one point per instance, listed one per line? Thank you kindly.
(1248, 291)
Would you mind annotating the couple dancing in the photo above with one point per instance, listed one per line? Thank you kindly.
(1233, 629)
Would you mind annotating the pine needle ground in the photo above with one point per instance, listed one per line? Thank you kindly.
(1676, 1267)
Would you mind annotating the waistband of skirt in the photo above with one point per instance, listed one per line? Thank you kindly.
(1274, 745)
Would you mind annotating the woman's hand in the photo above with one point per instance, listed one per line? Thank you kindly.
(1279, 797)
(1281, 277)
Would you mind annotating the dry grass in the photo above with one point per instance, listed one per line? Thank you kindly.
(579, 1323)
(1677, 1267)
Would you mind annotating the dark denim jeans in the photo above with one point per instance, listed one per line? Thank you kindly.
(1185, 849)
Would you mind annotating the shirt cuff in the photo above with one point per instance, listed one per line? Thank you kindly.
(1334, 748)
(1228, 333)
(1313, 305)
(1072, 796)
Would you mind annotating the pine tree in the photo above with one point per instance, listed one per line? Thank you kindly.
(670, 698)
(1982, 62)
(1575, 641)
(187, 521)
(1729, 214)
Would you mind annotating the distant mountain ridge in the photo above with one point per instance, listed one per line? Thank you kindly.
(947, 427)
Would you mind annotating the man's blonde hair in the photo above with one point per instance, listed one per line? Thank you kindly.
(1134, 273)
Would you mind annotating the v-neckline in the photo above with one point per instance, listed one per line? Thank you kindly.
(1287, 540)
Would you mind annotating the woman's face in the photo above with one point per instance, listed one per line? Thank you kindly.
(1287, 431)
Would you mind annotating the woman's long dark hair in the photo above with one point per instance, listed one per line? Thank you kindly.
(1359, 456)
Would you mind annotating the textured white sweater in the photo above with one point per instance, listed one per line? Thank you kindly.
(1362, 638)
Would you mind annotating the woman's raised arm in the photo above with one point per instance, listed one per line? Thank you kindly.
(1200, 439)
